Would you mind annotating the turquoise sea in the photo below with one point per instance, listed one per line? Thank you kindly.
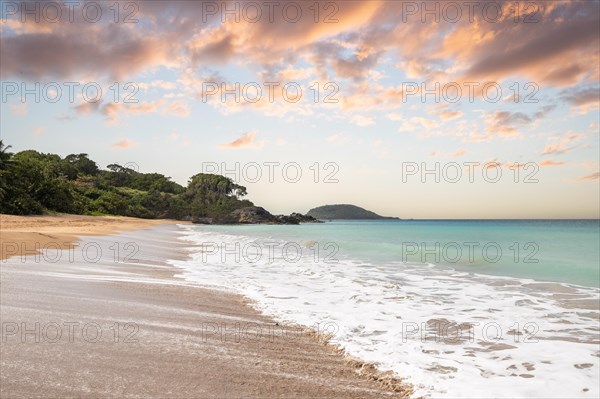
(547, 250)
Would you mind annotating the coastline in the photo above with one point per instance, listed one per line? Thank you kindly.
(160, 335)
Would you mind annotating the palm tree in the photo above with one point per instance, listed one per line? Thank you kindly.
(5, 162)
(5, 156)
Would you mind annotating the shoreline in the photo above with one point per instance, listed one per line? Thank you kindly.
(61, 231)
(429, 324)
(189, 340)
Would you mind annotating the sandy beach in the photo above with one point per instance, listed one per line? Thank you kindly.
(21, 234)
(106, 316)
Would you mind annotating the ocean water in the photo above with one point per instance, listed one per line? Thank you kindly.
(457, 308)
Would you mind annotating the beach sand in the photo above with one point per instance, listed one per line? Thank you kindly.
(109, 317)
(21, 234)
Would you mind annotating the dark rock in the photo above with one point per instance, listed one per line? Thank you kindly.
(257, 215)
(283, 219)
(252, 215)
(304, 218)
(296, 218)
(203, 221)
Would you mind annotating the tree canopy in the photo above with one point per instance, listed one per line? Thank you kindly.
(33, 183)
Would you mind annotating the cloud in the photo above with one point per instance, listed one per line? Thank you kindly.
(417, 122)
(76, 54)
(339, 138)
(212, 46)
(178, 34)
(368, 43)
(174, 136)
(38, 131)
(558, 49)
(124, 144)
(562, 146)
(591, 177)
(507, 124)
(19, 109)
(550, 162)
(446, 115)
(248, 140)
(87, 107)
(178, 108)
(530, 54)
(160, 84)
(503, 123)
(459, 153)
(394, 116)
(294, 74)
(357, 66)
(554, 149)
(361, 120)
(582, 99)
(349, 40)
(114, 111)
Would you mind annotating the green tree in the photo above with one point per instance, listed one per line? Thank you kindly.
(83, 164)
(32, 183)
(213, 195)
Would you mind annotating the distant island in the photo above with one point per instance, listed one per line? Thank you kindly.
(344, 211)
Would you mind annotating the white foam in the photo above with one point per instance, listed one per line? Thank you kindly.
(380, 314)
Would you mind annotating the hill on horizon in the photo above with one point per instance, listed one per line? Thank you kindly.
(344, 211)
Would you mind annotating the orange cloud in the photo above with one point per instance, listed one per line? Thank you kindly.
(591, 177)
(124, 144)
(460, 152)
(248, 140)
(561, 49)
(448, 115)
(550, 162)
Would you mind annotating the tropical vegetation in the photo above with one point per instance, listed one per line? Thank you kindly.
(35, 183)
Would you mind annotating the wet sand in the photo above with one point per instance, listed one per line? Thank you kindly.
(109, 318)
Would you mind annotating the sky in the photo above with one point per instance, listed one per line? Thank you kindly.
(481, 109)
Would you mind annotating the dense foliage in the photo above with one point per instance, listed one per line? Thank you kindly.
(35, 183)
